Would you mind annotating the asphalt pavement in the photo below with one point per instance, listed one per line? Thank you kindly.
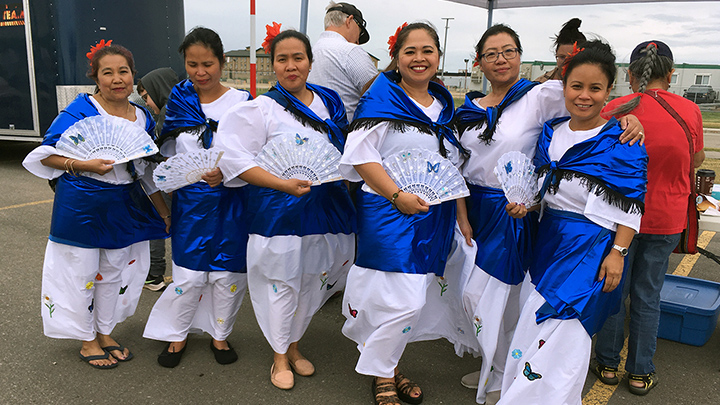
(39, 370)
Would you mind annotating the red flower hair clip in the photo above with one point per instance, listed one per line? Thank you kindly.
(272, 32)
(99, 46)
(393, 38)
(571, 55)
(476, 61)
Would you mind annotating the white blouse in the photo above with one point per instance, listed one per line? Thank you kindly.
(247, 127)
(119, 173)
(375, 144)
(573, 196)
(517, 129)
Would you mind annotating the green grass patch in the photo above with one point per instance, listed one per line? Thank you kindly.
(711, 119)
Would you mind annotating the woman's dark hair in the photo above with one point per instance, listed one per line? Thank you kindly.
(291, 34)
(649, 67)
(207, 38)
(495, 30)
(570, 34)
(596, 53)
(110, 50)
(405, 32)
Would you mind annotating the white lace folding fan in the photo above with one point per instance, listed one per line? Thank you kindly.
(185, 168)
(305, 158)
(516, 173)
(427, 175)
(105, 137)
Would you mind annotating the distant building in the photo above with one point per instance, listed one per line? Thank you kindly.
(237, 66)
(685, 75)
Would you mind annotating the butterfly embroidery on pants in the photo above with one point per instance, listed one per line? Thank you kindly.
(527, 372)
(353, 312)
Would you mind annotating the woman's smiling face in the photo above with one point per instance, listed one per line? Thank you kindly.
(418, 58)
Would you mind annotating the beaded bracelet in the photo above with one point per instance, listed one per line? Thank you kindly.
(395, 196)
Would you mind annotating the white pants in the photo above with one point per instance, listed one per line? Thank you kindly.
(291, 277)
(88, 291)
(494, 308)
(547, 363)
(385, 311)
(197, 301)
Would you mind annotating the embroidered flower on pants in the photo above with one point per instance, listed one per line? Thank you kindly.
(48, 302)
(178, 291)
(517, 353)
(89, 285)
(233, 288)
(406, 330)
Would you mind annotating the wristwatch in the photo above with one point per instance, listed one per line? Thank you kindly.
(623, 250)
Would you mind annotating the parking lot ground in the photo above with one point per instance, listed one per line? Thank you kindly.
(38, 370)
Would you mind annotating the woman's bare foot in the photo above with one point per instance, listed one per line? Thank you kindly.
(175, 347)
(108, 341)
(219, 344)
(385, 391)
(92, 348)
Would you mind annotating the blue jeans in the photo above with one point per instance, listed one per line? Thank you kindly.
(647, 264)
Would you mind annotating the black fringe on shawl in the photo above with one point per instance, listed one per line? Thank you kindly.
(593, 185)
(317, 126)
(400, 126)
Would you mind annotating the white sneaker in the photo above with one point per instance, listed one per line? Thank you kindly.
(471, 380)
(492, 397)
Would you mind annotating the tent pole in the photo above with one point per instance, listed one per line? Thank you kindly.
(491, 7)
(303, 16)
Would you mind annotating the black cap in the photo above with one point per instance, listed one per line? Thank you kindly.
(349, 9)
(662, 50)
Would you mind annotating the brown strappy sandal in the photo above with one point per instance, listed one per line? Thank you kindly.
(404, 390)
(382, 388)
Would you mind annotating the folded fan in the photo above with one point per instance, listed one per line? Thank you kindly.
(105, 137)
(517, 177)
(185, 168)
(305, 158)
(427, 175)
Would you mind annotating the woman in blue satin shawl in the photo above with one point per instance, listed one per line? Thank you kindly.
(592, 190)
(404, 244)
(209, 234)
(302, 235)
(102, 220)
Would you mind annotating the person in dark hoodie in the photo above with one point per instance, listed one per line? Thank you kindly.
(154, 88)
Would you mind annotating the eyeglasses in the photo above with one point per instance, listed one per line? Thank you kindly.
(510, 53)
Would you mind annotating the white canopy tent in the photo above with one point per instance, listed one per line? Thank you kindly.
(491, 5)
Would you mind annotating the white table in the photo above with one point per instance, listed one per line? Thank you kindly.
(709, 223)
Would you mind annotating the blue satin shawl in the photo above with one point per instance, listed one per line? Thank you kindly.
(209, 228)
(569, 252)
(335, 127)
(505, 244)
(617, 172)
(80, 108)
(386, 101)
(469, 115)
(326, 209)
(89, 213)
(183, 113)
(389, 240)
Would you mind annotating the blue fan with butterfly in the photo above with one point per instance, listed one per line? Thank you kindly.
(305, 157)
(427, 175)
(105, 137)
(517, 177)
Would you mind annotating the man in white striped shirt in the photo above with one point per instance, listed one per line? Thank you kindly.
(340, 63)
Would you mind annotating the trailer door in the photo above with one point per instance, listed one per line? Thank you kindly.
(18, 96)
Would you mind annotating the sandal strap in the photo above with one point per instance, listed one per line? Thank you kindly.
(404, 384)
(384, 387)
(644, 378)
(604, 368)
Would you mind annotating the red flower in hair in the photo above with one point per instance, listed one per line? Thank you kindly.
(393, 38)
(571, 55)
(100, 45)
(476, 61)
(272, 32)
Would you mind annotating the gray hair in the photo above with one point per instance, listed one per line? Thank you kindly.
(649, 67)
(334, 18)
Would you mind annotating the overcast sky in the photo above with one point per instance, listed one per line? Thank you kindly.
(691, 29)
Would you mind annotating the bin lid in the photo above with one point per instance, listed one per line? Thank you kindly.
(692, 293)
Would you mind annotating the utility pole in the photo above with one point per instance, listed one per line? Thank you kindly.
(466, 62)
(447, 25)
